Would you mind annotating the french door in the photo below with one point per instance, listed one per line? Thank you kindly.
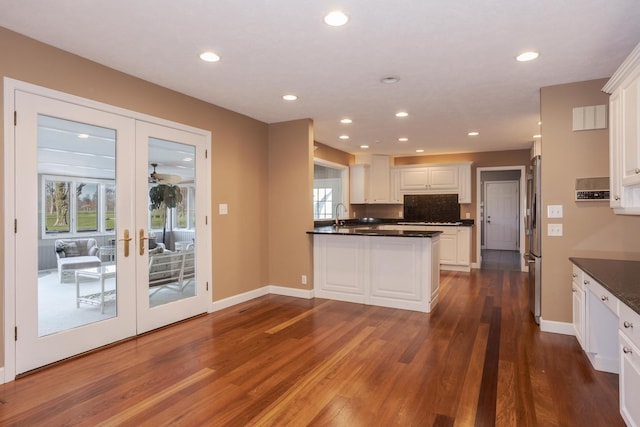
(86, 236)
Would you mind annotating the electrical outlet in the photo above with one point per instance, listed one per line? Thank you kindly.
(554, 229)
(303, 279)
(554, 211)
(223, 209)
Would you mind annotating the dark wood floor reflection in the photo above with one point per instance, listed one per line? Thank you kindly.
(478, 359)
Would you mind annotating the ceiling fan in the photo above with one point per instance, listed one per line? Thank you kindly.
(163, 178)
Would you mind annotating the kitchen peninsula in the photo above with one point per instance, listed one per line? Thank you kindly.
(388, 268)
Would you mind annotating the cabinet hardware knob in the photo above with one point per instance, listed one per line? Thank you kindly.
(628, 324)
(617, 197)
(626, 350)
(574, 275)
(604, 298)
(573, 290)
(586, 282)
(637, 170)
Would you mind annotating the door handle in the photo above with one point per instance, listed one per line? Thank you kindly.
(142, 239)
(126, 239)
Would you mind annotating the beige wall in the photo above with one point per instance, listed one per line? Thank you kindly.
(240, 158)
(290, 187)
(590, 228)
(331, 154)
(480, 159)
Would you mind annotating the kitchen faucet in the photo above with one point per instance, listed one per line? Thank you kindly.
(337, 213)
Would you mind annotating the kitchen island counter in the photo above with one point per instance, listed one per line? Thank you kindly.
(388, 268)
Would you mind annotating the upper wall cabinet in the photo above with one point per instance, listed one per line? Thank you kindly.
(436, 179)
(370, 180)
(624, 135)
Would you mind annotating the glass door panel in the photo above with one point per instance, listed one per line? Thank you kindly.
(170, 225)
(78, 292)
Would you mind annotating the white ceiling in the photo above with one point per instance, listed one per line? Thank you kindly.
(455, 59)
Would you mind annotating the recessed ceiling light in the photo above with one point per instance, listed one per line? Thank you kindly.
(289, 97)
(419, 150)
(390, 80)
(403, 139)
(474, 133)
(336, 18)
(537, 136)
(344, 136)
(539, 123)
(364, 146)
(527, 56)
(346, 121)
(83, 136)
(187, 159)
(402, 114)
(209, 57)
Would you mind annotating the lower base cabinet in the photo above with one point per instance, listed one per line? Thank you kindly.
(629, 381)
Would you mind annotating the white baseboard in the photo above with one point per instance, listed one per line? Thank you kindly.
(256, 293)
(237, 299)
(2, 378)
(291, 292)
(557, 327)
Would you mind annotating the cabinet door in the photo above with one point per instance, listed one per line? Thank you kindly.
(359, 183)
(615, 142)
(449, 247)
(464, 246)
(416, 179)
(630, 132)
(464, 183)
(394, 191)
(577, 288)
(443, 178)
(629, 381)
(379, 179)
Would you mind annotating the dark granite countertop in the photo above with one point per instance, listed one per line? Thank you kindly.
(355, 231)
(371, 222)
(620, 277)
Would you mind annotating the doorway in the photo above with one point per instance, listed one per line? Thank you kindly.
(500, 210)
(80, 189)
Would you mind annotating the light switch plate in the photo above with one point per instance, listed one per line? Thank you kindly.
(554, 211)
(554, 229)
(223, 209)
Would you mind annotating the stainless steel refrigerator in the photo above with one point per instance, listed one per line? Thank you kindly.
(534, 231)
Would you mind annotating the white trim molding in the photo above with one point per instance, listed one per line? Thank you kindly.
(563, 328)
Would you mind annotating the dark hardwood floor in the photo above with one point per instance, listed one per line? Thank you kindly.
(477, 360)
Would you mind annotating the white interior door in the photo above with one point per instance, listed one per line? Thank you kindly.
(172, 242)
(70, 202)
(501, 223)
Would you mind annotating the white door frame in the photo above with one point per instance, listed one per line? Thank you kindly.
(8, 371)
(523, 203)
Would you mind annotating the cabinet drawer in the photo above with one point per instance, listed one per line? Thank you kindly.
(601, 293)
(630, 324)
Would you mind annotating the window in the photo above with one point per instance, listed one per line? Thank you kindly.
(322, 203)
(72, 206)
(330, 187)
(183, 216)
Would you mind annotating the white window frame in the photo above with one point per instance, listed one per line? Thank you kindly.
(344, 172)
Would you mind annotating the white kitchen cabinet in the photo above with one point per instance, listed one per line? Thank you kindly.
(429, 178)
(436, 179)
(463, 249)
(629, 384)
(455, 244)
(601, 326)
(624, 135)
(577, 288)
(370, 182)
(394, 182)
(464, 183)
(359, 183)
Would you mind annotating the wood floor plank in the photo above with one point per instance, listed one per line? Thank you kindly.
(282, 361)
